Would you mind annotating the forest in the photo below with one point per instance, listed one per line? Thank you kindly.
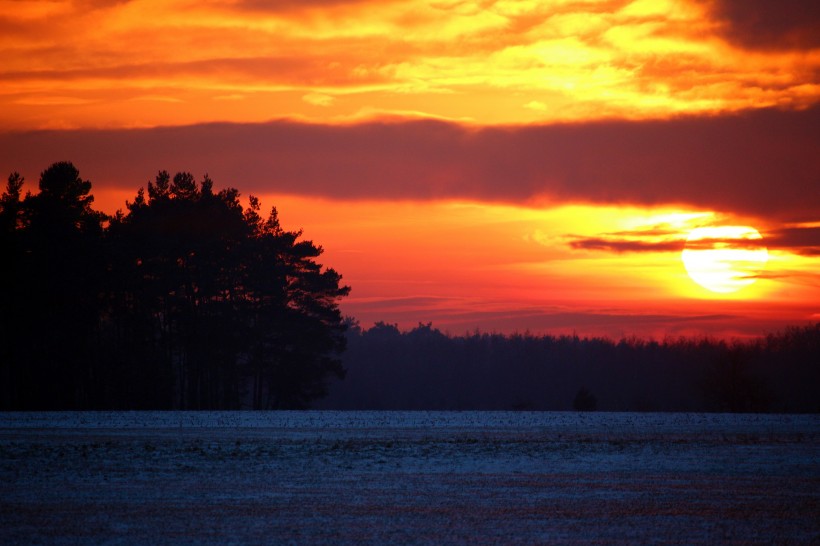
(186, 301)
(426, 369)
(189, 300)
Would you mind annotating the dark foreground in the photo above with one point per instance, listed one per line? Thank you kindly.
(417, 477)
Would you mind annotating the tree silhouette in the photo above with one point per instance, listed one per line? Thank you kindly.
(186, 300)
(584, 401)
(53, 241)
(12, 353)
(234, 300)
(730, 384)
(10, 205)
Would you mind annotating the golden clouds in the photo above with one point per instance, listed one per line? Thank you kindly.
(328, 61)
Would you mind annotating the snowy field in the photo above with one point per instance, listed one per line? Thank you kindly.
(408, 478)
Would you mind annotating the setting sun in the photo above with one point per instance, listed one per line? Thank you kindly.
(724, 259)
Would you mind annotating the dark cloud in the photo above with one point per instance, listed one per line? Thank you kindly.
(625, 245)
(711, 243)
(770, 24)
(801, 240)
(764, 163)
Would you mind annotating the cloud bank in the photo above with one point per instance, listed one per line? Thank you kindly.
(764, 163)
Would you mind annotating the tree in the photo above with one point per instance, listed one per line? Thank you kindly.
(730, 384)
(10, 300)
(584, 401)
(221, 298)
(10, 205)
(298, 326)
(53, 241)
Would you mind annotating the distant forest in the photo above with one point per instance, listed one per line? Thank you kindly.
(188, 300)
(426, 369)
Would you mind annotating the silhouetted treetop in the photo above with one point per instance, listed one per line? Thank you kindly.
(62, 182)
(63, 204)
(10, 205)
(161, 187)
(184, 187)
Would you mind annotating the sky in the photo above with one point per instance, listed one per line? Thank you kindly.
(507, 166)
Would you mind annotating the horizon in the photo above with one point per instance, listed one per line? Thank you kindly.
(500, 168)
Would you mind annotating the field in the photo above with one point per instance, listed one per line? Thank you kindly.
(409, 478)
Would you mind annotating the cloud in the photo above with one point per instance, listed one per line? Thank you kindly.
(802, 240)
(658, 238)
(767, 24)
(490, 61)
(724, 243)
(625, 245)
(271, 69)
(762, 163)
(265, 6)
(318, 99)
(50, 100)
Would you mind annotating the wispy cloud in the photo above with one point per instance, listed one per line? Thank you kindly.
(457, 317)
(318, 99)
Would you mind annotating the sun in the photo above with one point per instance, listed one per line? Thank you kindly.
(724, 259)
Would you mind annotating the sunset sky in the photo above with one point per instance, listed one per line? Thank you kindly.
(501, 165)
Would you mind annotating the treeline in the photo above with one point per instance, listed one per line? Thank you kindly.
(426, 369)
(186, 300)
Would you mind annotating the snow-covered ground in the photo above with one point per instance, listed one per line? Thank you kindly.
(408, 477)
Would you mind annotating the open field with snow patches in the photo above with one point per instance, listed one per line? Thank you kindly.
(408, 478)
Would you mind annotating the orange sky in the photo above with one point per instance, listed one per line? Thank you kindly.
(505, 165)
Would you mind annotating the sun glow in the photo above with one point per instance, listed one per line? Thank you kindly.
(724, 259)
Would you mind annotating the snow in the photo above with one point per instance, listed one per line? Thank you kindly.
(407, 477)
